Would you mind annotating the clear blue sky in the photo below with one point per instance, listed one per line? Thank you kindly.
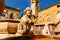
(22, 4)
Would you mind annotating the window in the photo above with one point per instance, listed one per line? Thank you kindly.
(5, 10)
(58, 6)
(58, 12)
(32, 1)
(37, 1)
(11, 15)
(41, 19)
(58, 15)
(48, 16)
(3, 14)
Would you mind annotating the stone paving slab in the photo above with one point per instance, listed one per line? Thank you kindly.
(3, 36)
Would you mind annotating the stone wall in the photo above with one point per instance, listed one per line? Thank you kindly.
(4, 26)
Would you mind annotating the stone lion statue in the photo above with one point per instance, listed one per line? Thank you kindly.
(25, 21)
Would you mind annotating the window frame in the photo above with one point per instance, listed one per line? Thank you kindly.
(48, 17)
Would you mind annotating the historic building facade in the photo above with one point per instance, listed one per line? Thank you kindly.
(49, 14)
(46, 15)
(10, 18)
(10, 13)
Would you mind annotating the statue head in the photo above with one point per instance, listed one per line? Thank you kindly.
(2, 6)
(28, 11)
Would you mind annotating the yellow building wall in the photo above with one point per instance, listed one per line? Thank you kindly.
(52, 11)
